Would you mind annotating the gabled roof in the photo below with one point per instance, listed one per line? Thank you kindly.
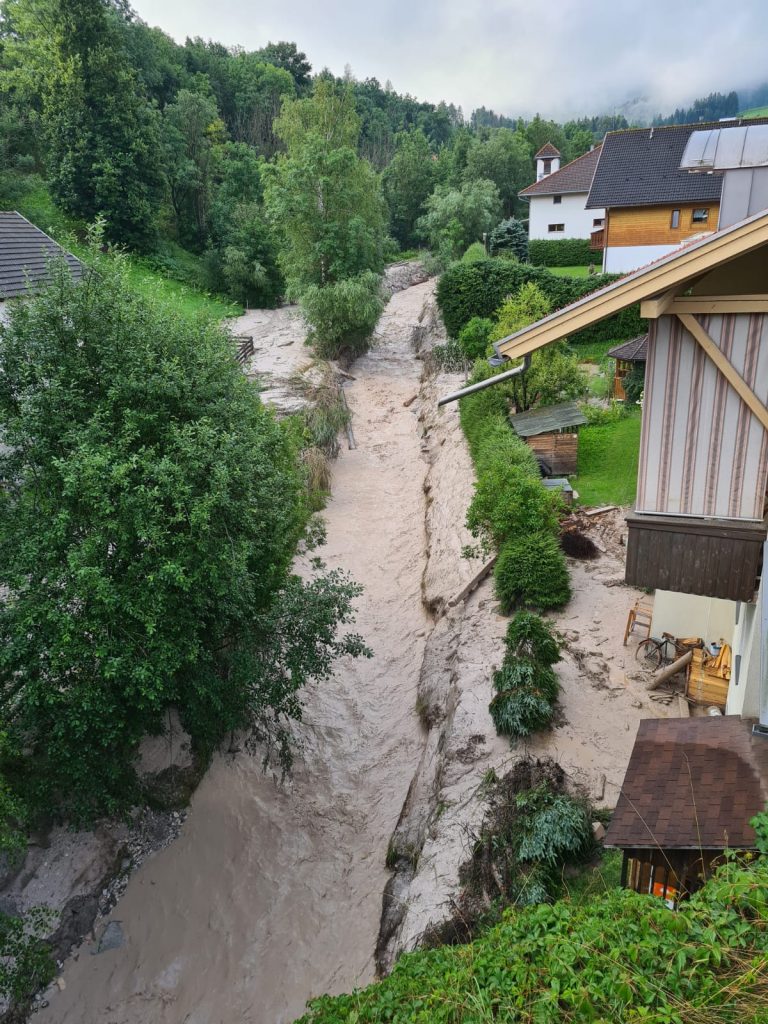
(574, 177)
(548, 418)
(641, 167)
(692, 783)
(679, 268)
(547, 151)
(633, 351)
(25, 252)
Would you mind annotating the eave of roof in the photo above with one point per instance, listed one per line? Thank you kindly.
(567, 180)
(547, 419)
(680, 266)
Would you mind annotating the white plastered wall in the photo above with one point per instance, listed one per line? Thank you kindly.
(570, 211)
(691, 615)
(619, 259)
(747, 666)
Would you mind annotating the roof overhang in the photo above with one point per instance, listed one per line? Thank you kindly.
(659, 280)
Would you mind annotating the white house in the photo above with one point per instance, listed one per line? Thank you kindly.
(558, 198)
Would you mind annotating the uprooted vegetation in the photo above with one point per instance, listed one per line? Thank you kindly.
(536, 824)
(526, 685)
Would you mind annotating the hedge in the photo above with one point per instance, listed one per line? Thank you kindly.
(561, 252)
(478, 289)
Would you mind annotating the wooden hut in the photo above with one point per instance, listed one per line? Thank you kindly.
(691, 788)
(627, 355)
(553, 434)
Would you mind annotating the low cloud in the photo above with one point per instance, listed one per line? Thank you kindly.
(562, 58)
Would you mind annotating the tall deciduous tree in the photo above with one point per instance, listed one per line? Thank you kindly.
(149, 514)
(408, 181)
(455, 218)
(103, 138)
(503, 158)
(323, 198)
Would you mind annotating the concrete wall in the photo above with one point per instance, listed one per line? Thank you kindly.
(570, 211)
(619, 259)
(691, 615)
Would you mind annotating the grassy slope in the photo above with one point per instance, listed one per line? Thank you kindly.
(755, 112)
(38, 207)
(608, 457)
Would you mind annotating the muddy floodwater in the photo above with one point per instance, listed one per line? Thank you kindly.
(272, 894)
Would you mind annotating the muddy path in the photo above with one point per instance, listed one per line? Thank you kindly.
(272, 893)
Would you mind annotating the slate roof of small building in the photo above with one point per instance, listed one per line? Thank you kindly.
(25, 254)
(548, 418)
(633, 351)
(641, 167)
(574, 177)
(692, 783)
(547, 151)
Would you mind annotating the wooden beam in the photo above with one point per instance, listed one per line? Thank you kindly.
(652, 309)
(704, 305)
(737, 382)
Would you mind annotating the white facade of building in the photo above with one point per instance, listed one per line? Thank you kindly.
(620, 259)
(567, 218)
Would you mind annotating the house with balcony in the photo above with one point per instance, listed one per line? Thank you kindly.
(650, 204)
(557, 200)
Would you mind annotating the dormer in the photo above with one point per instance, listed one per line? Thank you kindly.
(547, 161)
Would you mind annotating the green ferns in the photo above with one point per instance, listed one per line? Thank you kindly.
(526, 685)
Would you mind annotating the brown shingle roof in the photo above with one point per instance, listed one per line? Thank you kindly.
(641, 167)
(633, 351)
(25, 252)
(574, 177)
(692, 783)
(546, 151)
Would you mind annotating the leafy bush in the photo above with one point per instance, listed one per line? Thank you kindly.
(510, 501)
(342, 316)
(529, 636)
(602, 415)
(527, 305)
(500, 447)
(531, 572)
(475, 410)
(456, 217)
(619, 956)
(634, 383)
(562, 252)
(509, 238)
(26, 963)
(475, 337)
(525, 697)
(475, 252)
(479, 289)
(553, 827)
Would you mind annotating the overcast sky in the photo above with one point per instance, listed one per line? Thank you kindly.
(559, 57)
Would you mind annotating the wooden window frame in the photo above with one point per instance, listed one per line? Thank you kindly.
(674, 220)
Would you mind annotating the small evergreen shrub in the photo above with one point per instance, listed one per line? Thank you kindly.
(530, 636)
(525, 697)
(562, 252)
(342, 316)
(499, 448)
(553, 827)
(475, 337)
(475, 252)
(531, 572)
(510, 501)
(475, 411)
(509, 238)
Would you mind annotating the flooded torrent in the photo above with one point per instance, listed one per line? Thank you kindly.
(272, 893)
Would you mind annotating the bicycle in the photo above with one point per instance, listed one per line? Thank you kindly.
(654, 652)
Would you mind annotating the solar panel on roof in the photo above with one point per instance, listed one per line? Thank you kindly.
(724, 149)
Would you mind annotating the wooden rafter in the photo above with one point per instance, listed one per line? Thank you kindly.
(737, 382)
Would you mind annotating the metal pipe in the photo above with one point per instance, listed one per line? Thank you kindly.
(483, 384)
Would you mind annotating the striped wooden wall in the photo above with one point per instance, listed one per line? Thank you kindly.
(702, 452)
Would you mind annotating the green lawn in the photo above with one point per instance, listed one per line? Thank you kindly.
(592, 352)
(608, 457)
(38, 207)
(569, 271)
(755, 112)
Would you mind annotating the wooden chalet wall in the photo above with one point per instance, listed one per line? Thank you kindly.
(652, 225)
(702, 451)
(559, 450)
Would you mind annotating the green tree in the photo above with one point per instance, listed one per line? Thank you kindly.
(258, 89)
(150, 512)
(191, 130)
(288, 57)
(408, 181)
(455, 218)
(505, 159)
(103, 139)
(324, 201)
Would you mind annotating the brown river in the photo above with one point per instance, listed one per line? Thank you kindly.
(272, 893)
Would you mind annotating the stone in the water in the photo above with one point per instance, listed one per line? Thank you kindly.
(112, 937)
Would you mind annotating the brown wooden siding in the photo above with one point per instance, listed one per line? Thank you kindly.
(652, 225)
(710, 557)
(559, 451)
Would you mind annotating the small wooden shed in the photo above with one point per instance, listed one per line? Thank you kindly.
(626, 355)
(553, 434)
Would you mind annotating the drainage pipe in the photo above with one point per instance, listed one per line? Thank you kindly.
(483, 384)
